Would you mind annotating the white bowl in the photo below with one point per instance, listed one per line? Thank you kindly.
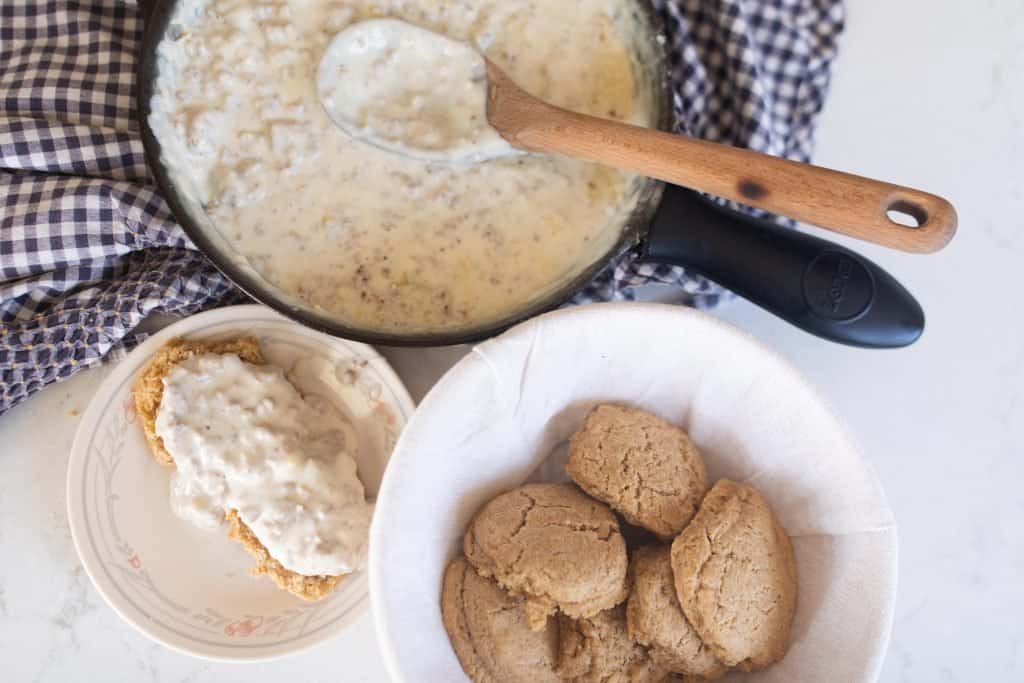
(494, 419)
(187, 588)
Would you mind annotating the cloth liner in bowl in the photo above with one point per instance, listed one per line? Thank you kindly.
(496, 417)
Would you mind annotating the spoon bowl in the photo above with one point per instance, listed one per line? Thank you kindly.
(409, 91)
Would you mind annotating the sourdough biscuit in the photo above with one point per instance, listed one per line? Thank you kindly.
(735, 577)
(489, 632)
(554, 545)
(305, 587)
(641, 465)
(655, 619)
(598, 649)
(148, 391)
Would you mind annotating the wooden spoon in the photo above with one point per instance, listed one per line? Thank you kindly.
(841, 202)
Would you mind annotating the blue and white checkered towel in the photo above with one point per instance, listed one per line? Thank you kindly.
(88, 248)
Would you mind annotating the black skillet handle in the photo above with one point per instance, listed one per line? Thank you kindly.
(814, 284)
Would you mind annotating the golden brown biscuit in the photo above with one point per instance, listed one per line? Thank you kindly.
(489, 632)
(735, 577)
(599, 650)
(554, 545)
(655, 619)
(148, 391)
(641, 465)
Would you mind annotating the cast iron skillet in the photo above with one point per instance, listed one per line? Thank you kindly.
(814, 284)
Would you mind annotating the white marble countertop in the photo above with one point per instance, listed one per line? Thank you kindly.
(927, 93)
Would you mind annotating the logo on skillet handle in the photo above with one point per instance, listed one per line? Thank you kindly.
(837, 287)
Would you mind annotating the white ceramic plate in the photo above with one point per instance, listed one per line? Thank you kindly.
(187, 588)
(501, 415)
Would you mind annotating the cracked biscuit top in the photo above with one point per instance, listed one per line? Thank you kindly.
(655, 619)
(641, 465)
(598, 649)
(489, 631)
(553, 545)
(735, 577)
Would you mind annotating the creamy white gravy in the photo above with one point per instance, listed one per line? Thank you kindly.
(243, 438)
(373, 238)
(409, 90)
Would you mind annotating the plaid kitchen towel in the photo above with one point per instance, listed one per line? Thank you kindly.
(88, 249)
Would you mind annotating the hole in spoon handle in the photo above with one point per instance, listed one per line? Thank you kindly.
(906, 214)
(918, 221)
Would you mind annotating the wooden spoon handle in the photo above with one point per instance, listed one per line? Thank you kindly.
(844, 203)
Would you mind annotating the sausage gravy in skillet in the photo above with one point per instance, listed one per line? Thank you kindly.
(377, 239)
